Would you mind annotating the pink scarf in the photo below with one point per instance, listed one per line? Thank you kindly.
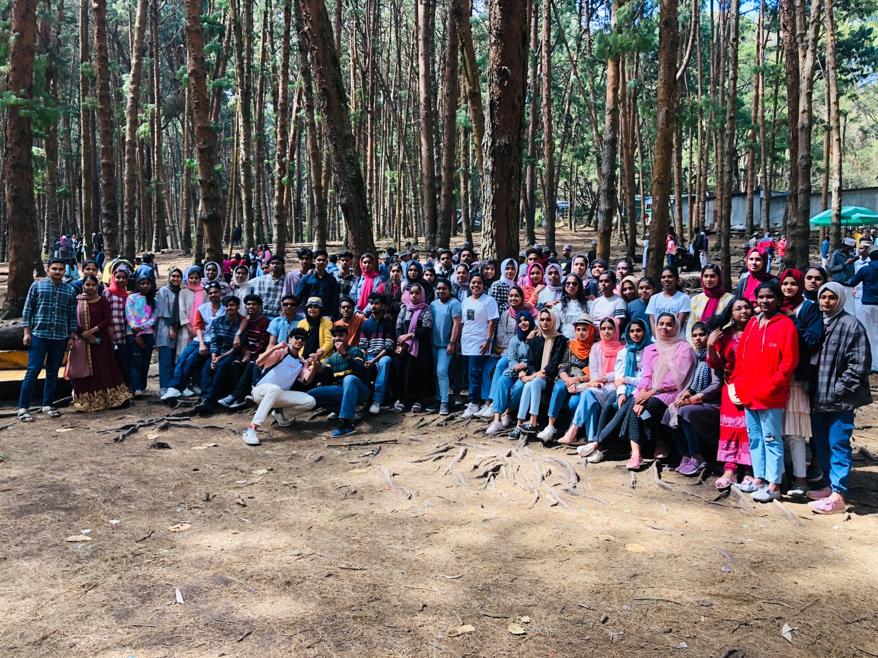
(415, 310)
(368, 284)
(610, 349)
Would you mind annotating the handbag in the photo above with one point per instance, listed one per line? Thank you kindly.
(78, 363)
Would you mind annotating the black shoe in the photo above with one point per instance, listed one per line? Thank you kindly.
(203, 408)
(237, 404)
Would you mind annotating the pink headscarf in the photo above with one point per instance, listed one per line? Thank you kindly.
(415, 310)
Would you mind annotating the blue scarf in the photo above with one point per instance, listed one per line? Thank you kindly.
(633, 348)
(522, 335)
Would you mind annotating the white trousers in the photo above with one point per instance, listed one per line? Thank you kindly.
(272, 396)
(868, 315)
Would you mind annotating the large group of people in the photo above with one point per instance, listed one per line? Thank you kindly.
(760, 384)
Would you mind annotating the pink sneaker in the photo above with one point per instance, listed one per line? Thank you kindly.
(827, 506)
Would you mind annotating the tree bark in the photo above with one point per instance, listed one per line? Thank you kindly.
(549, 189)
(462, 10)
(86, 132)
(351, 189)
(449, 133)
(507, 74)
(281, 170)
(160, 232)
(834, 126)
(426, 15)
(244, 117)
(210, 201)
(109, 220)
(607, 189)
(669, 36)
(530, 172)
(21, 214)
(731, 106)
(132, 122)
(791, 64)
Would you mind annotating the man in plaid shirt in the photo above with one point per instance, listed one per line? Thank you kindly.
(49, 330)
(270, 287)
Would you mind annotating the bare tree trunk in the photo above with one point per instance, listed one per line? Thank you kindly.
(160, 235)
(449, 133)
(549, 188)
(765, 165)
(507, 75)
(629, 103)
(426, 16)
(210, 201)
(86, 132)
(669, 36)
(186, 177)
(109, 220)
(731, 105)
(834, 125)
(607, 190)
(334, 109)
(462, 10)
(132, 121)
(530, 175)
(50, 38)
(245, 116)
(281, 217)
(791, 52)
(18, 162)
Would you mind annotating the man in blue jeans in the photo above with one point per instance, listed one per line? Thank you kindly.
(349, 387)
(49, 320)
(377, 340)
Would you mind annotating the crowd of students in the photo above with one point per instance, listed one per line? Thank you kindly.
(761, 383)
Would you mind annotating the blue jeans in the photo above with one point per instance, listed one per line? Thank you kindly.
(344, 398)
(167, 356)
(442, 359)
(494, 379)
(213, 379)
(475, 370)
(531, 396)
(187, 364)
(138, 361)
(765, 430)
(381, 379)
(588, 412)
(560, 396)
(42, 352)
(492, 363)
(832, 443)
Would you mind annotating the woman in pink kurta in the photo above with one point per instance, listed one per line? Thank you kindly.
(667, 367)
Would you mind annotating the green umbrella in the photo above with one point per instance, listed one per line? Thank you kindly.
(850, 216)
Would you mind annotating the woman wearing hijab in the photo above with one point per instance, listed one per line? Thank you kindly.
(694, 414)
(167, 313)
(806, 315)
(460, 285)
(415, 275)
(190, 298)
(116, 294)
(532, 283)
(506, 387)
(756, 274)
(213, 274)
(628, 289)
(667, 366)
(572, 306)
(392, 288)
(842, 386)
(713, 300)
(319, 328)
(415, 374)
(369, 282)
(573, 373)
(500, 288)
(141, 317)
(552, 286)
(600, 388)
(722, 346)
(766, 360)
(629, 370)
(814, 278)
(102, 386)
(241, 285)
(545, 353)
(488, 270)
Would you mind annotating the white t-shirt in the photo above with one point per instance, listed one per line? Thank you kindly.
(284, 373)
(607, 307)
(660, 303)
(475, 314)
(567, 316)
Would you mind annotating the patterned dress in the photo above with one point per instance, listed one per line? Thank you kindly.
(734, 445)
(105, 388)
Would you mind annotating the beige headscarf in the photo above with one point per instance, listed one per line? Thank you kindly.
(550, 335)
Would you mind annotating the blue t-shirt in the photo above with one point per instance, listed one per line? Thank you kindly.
(443, 320)
(637, 310)
(280, 327)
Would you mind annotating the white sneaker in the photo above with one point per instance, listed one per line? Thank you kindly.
(375, 408)
(170, 394)
(250, 437)
(162, 391)
(280, 419)
(596, 457)
(587, 449)
(495, 427)
(188, 392)
(470, 411)
(547, 434)
(506, 419)
(487, 411)
(196, 390)
(332, 415)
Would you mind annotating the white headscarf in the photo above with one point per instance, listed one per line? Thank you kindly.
(838, 290)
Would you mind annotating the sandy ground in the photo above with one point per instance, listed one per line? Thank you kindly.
(430, 540)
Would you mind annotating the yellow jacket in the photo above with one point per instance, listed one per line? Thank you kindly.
(325, 335)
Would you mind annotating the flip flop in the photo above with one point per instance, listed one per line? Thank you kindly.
(25, 417)
(724, 483)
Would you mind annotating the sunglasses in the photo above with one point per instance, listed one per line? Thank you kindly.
(287, 304)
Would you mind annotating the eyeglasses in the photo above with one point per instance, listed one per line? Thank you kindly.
(287, 304)
(572, 283)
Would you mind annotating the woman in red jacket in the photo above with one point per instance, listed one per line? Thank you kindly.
(766, 360)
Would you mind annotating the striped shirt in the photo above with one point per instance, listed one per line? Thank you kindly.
(50, 310)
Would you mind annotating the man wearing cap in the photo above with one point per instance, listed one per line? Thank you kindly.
(841, 268)
(284, 368)
(867, 308)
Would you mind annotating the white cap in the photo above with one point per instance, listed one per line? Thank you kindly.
(850, 242)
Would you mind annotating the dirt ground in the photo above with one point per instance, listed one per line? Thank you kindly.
(431, 539)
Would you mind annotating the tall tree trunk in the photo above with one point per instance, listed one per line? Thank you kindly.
(210, 201)
(281, 171)
(462, 10)
(86, 131)
(449, 133)
(160, 233)
(607, 190)
(426, 16)
(245, 115)
(791, 64)
(669, 36)
(530, 172)
(731, 106)
(18, 177)
(834, 125)
(629, 106)
(764, 162)
(350, 187)
(132, 122)
(50, 37)
(549, 188)
(186, 176)
(507, 75)
(109, 219)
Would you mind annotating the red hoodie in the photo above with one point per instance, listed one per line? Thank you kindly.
(765, 362)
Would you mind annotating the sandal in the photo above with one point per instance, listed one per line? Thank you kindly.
(748, 485)
(724, 483)
(51, 412)
(25, 417)
(827, 506)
